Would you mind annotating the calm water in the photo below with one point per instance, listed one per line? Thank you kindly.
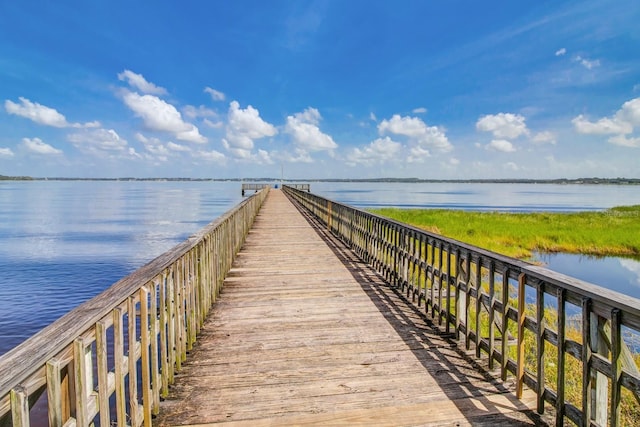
(62, 243)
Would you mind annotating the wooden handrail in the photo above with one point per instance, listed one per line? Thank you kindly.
(486, 299)
(139, 329)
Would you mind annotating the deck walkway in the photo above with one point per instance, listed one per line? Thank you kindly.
(304, 333)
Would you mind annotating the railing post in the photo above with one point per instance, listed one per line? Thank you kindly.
(560, 408)
(20, 407)
(521, 318)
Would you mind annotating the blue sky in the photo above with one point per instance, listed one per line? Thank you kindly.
(320, 89)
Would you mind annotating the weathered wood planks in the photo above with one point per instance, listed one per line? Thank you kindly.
(304, 333)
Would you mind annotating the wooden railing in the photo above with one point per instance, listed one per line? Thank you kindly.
(110, 360)
(560, 336)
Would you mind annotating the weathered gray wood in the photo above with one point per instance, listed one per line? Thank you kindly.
(305, 329)
(567, 289)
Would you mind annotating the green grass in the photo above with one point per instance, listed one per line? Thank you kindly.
(615, 231)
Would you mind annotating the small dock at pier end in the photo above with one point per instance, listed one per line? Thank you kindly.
(292, 309)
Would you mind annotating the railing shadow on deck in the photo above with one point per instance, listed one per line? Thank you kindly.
(498, 305)
(110, 360)
(430, 345)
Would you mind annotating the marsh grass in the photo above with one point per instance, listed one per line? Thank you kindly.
(615, 231)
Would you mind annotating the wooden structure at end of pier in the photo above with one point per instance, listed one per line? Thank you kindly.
(259, 186)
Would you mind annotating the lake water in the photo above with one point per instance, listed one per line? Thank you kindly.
(63, 242)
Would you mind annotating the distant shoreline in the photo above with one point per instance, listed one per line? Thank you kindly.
(583, 181)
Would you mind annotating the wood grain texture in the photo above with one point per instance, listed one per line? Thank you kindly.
(304, 333)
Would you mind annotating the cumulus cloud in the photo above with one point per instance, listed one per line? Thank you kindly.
(501, 145)
(623, 141)
(6, 152)
(177, 147)
(195, 112)
(418, 154)
(586, 63)
(158, 151)
(503, 125)
(99, 142)
(216, 95)
(161, 116)
(561, 52)
(138, 82)
(545, 137)
(419, 134)
(378, 151)
(211, 156)
(620, 125)
(603, 126)
(419, 110)
(248, 122)
(36, 146)
(244, 126)
(42, 114)
(305, 131)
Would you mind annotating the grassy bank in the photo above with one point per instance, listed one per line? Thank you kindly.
(615, 231)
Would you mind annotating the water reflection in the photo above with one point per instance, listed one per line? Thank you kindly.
(618, 274)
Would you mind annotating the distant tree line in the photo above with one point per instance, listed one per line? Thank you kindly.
(588, 181)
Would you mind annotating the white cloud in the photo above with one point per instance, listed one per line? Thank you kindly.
(620, 125)
(211, 156)
(586, 63)
(194, 112)
(633, 266)
(213, 125)
(545, 137)
(98, 141)
(501, 145)
(503, 125)
(623, 141)
(418, 132)
(419, 110)
(561, 52)
(177, 147)
(603, 126)
(417, 154)
(156, 150)
(36, 146)
(630, 112)
(378, 151)
(373, 117)
(139, 82)
(215, 94)
(243, 127)
(159, 115)
(42, 115)
(6, 152)
(307, 136)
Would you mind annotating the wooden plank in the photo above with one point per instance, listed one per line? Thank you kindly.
(304, 332)
(487, 411)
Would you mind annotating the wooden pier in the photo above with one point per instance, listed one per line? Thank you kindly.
(304, 333)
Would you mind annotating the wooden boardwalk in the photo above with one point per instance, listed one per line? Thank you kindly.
(306, 334)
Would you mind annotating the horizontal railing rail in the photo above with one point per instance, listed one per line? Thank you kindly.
(110, 360)
(560, 336)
